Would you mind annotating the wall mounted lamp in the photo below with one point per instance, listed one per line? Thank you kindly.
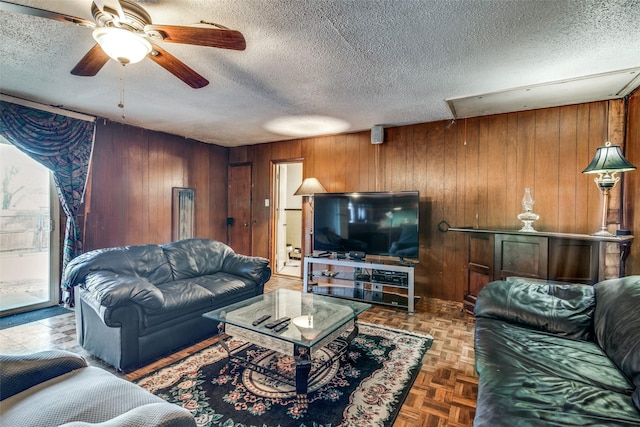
(309, 187)
(607, 162)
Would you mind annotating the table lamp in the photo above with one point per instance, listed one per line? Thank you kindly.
(607, 162)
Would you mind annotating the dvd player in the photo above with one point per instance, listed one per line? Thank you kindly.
(391, 277)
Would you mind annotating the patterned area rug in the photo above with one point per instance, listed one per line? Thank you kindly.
(366, 388)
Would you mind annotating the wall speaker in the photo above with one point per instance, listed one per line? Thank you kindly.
(377, 134)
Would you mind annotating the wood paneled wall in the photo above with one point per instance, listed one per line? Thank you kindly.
(469, 173)
(632, 182)
(129, 199)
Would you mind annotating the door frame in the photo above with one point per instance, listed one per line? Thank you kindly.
(273, 214)
(55, 246)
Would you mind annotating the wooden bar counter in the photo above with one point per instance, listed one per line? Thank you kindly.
(562, 257)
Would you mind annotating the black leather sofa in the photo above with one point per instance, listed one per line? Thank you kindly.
(136, 303)
(558, 354)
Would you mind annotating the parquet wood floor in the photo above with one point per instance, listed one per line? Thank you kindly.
(444, 394)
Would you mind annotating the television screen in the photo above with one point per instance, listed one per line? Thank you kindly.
(377, 223)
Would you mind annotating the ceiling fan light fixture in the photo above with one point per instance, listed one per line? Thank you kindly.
(122, 45)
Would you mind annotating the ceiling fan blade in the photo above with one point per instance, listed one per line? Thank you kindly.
(177, 68)
(212, 37)
(33, 11)
(91, 63)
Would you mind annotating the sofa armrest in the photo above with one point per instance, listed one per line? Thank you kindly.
(111, 289)
(250, 267)
(20, 372)
(152, 414)
(563, 309)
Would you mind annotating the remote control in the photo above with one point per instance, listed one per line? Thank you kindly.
(260, 320)
(276, 322)
(280, 327)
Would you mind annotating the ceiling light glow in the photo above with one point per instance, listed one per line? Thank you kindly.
(305, 126)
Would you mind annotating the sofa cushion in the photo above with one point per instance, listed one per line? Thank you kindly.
(521, 351)
(147, 261)
(20, 372)
(563, 309)
(194, 296)
(195, 257)
(112, 289)
(226, 287)
(247, 267)
(151, 414)
(90, 394)
(530, 377)
(182, 296)
(617, 325)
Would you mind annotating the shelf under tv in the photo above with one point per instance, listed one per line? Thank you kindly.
(361, 294)
(346, 279)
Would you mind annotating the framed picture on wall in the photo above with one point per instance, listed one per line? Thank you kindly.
(183, 213)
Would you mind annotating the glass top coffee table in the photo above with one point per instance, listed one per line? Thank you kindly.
(314, 321)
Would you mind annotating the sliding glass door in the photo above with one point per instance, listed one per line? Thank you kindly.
(29, 236)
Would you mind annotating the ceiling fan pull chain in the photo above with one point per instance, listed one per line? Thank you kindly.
(121, 104)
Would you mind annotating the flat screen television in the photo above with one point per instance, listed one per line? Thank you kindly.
(376, 223)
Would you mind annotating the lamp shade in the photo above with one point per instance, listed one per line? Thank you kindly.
(122, 45)
(608, 158)
(309, 187)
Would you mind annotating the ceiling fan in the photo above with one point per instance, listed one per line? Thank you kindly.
(122, 24)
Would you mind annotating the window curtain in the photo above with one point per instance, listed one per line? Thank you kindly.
(63, 145)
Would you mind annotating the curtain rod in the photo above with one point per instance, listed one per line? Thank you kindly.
(47, 108)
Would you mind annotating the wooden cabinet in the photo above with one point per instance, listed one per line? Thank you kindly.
(575, 258)
(480, 263)
(525, 256)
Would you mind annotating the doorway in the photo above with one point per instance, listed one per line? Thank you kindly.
(29, 236)
(288, 219)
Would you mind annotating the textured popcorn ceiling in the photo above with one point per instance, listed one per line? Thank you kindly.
(388, 62)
